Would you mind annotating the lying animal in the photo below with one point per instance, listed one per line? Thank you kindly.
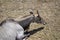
(15, 30)
(11, 30)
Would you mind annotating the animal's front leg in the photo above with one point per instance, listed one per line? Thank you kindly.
(26, 36)
(20, 35)
(26, 31)
(23, 38)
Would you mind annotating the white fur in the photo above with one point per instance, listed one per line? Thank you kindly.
(10, 30)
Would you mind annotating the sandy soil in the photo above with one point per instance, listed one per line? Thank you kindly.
(48, 9)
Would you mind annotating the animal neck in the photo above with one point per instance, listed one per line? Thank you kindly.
(26, 22)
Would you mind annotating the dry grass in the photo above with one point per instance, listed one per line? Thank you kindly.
(48, 9)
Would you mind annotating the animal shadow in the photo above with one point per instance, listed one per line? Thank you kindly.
(34, 31)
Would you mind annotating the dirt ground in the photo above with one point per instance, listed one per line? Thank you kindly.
(48, 9)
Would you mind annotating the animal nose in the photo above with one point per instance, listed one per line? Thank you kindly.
(44, 23)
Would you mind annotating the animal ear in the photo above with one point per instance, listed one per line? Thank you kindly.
(32, 14)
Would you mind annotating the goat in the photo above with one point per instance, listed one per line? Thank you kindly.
(11, 30)
(25, 23)
(15, 30)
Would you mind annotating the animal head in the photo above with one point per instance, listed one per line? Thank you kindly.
(37, 18)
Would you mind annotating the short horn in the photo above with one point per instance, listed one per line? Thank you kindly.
(38, 14)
